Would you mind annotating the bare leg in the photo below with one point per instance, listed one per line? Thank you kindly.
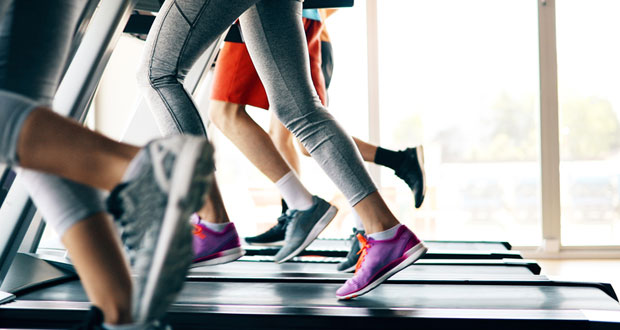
(101, 265)
(57, 145)
(367, 150)
(214, 211)
(373, 206)
(283, 140)
(250, 138)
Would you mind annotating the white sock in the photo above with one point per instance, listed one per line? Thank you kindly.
(357, 221)
(296, 196)
(386, 234)
(218, 227)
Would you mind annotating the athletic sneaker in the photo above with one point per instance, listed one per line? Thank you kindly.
(380, 259)
(272, 236)
(304, 227)
(349, 264)
(412, 172)
(93, 321)
(212, 247)
(166, 183)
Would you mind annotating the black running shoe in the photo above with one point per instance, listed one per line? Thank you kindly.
(348, 265)
(273, 236)
(93, 321)
(412, 172)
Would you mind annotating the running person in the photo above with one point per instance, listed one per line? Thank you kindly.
(236, 84)
(33, 137)
(274, 35)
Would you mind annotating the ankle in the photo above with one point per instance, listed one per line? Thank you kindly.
(208, 218)
(385, 234)
(116, 314)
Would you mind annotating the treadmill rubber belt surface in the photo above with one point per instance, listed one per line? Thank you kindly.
(270, 305)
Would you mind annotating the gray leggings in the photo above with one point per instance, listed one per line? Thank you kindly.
(35, 37)
(275, 39)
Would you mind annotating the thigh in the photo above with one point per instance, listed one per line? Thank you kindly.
(276, 41)
(35, 37)
(184, 29)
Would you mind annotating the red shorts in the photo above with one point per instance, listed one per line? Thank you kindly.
(236, 80)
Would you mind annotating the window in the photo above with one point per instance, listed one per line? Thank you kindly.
(589, 115)
(461, 78)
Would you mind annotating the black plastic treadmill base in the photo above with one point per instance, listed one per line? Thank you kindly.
(66, 315)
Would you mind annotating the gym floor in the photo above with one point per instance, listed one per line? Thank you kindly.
(592, 270)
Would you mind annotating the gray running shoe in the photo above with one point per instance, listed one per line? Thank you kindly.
(349, 264)
(166, 183)
(304, 226)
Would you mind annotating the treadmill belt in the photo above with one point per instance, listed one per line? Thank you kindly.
(341, 249)
(302, 295)
(343, 245)
(419, 271)
(270, 305)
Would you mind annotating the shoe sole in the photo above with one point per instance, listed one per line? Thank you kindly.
(420, 156)
(414, 253)
(191, 178)
(314, 233)
(278, 243)
(225, 257)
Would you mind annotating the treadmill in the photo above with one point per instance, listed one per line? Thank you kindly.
(470, 285)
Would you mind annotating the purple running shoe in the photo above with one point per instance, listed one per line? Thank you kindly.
(379, 260)
(212, 247)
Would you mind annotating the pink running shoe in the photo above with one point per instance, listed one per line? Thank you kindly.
(212, 247)
(379, 260)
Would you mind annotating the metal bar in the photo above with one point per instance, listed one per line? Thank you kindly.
(81, 80)
(33, 235)
(549, 133)
(372, 49)
(16, 215)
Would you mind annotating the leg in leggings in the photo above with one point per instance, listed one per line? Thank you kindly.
(63, 203)
(181, 32)
(274, 38)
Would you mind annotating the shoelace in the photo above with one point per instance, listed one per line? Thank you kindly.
(362, 252)
(283, 220)
(198, 232)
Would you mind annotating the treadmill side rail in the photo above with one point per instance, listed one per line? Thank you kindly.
(6, 297)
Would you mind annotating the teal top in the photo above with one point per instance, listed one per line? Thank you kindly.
(312, 14)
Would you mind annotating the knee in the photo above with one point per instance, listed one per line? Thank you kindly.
(304, 124)
(224, 114)
(303, 149)
(151, 75)
(280, 135)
